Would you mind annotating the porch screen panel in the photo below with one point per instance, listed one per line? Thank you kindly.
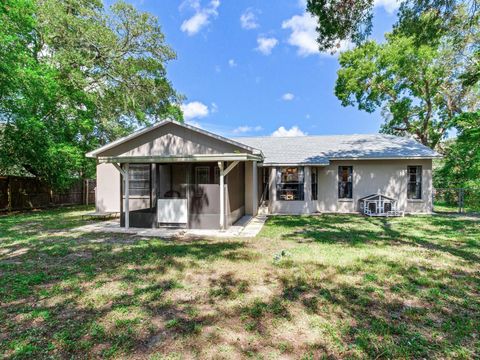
(139, 179)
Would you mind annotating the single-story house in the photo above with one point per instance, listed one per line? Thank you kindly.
(174, 174)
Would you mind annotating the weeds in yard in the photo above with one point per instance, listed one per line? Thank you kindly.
(350, 287)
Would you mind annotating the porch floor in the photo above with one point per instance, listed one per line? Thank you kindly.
(246, 226)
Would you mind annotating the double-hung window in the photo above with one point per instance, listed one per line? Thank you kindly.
(414, 190)
(314, 178)
(139, 179)
(290, 183)
(345, 182)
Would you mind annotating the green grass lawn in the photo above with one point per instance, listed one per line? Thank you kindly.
(334, 286)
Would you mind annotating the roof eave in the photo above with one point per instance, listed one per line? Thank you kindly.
(266, 163)
(387, 158)
(179, 158)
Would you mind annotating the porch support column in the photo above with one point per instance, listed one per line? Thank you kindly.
(126, 179)
(254, 188)
(222, 196)
(126, 185)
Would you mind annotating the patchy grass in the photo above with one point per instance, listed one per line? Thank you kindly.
(449, 208)
(334, 286)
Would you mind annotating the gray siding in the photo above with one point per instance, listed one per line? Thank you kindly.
(171, 140)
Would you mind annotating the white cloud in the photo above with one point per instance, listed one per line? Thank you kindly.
(266, 44)
(232, 63)
(194, 110)
(288, 97)
(248, 20)
(303, 33)
(246, 129)
(293, 131)
(390, 6)
(201, 17)
(304, 36)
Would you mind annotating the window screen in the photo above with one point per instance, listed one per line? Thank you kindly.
(414, 182)
(202, 175)
(314, 184)
(290, 183)
(345, 183)
(139, 179)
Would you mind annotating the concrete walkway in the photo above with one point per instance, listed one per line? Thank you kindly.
(245, 227)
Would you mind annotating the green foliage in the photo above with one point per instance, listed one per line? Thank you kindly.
(352, 20)
(341, 20)
(74, 76)
(418, 87)
(461, 166)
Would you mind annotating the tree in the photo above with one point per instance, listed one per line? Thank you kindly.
(86, 76)
(418, 87)
(461, 164)
(352, 19)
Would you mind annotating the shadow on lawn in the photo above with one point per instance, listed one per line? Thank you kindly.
(382, 231)
(144, 299)
(42, 280)
(420, 312)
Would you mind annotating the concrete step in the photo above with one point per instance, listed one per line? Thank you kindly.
(263, 208)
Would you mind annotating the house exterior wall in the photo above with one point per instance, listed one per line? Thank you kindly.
(235, 194)
(107, 196)
(294, 207)
(251, 187)
(387, 177)
(171, 140)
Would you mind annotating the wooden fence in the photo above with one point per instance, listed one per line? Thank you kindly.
(23, 193)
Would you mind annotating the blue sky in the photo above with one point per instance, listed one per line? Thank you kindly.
(251, 67)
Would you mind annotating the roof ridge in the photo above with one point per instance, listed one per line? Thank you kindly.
(306, 136)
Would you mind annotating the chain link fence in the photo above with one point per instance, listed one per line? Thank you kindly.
(457, 200)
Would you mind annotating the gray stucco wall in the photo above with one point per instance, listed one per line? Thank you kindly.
(235, 194)
(388, 177)
(252, 193)
(108, 189)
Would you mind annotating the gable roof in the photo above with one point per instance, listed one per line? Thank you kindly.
(315, 150)
(373, 196)
(321, 149)
(94, 153)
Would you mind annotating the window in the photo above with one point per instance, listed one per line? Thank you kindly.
(414, 190)
(290, 183)
(345, 187)
(139, 179)
(216, 175)
(314, 184)
(266, 183)
(202, 175)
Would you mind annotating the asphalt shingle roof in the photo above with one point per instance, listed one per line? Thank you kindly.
(321, 149)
